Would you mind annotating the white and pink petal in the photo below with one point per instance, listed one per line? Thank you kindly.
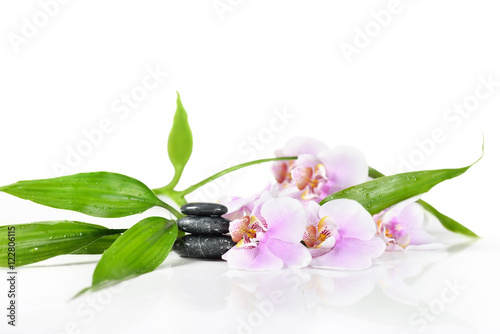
(345, 166)
(286, 219)
(293, 255)
(301, 145)
(351, 254)
(256, 258)
(352, 219)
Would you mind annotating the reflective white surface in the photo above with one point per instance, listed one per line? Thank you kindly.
(451, 290)
(268, 71)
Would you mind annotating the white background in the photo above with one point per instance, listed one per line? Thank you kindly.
(236, 68)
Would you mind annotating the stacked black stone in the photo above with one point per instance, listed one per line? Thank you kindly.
(207, 228)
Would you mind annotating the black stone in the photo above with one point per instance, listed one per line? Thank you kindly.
(203, 246)
(204, 224)
(203, 209)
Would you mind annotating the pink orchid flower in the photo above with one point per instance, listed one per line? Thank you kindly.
(269, 238)
(318, 171)
(238, 207)
(340, 234)
(401, 226)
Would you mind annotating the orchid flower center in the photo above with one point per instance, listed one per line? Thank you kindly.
(251, 233)
(309, 180)
(315, 237)
(245, 231)
(394, 231)
(282, 170)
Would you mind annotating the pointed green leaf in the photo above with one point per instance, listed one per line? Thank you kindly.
(180, 142)
(139, 250)
(42, 240)
(98, 194)
(374, 174)
(383, 192)
(449, 223)
(99, 246)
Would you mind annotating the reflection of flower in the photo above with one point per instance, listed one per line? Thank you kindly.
(396, 278)
(402, 225)
(400, 267)
(269, 238)
(334, 288)
(318, 171)
(340, 234)
(265, 284)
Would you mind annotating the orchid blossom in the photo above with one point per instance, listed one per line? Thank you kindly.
(269, 237)
(402, 226)
(341, 234)
(239, 207)
(318, 171)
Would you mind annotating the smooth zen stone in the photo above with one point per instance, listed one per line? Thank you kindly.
(203, 246)
(204, 224)
(203, 209)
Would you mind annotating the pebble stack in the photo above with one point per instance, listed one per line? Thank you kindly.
(207, 230)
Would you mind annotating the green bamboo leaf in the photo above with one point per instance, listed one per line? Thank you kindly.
(383, 192)
(99, 246)
(374, 174)
(140, 250)
(98, 194)
(42, 240)
(180, 142)
(449, 223)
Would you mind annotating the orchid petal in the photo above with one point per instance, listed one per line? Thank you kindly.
(352, 219)
(286, 219)
(238, 227)
(302, 145)
(421, 237)
(312, 209)
(328, 244)
(238, 207)
(257, 258)
(310, 236)
(320, 171)
(302, 176)
(308, 195)
(326, 223)
(293, 255)
(266, 195)
(412, 216)
(280, 170)
(394, 247)
(403, 240)
(345, 166)
(398, 208)
(317, 252)
(351, 254)
(307, 160)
